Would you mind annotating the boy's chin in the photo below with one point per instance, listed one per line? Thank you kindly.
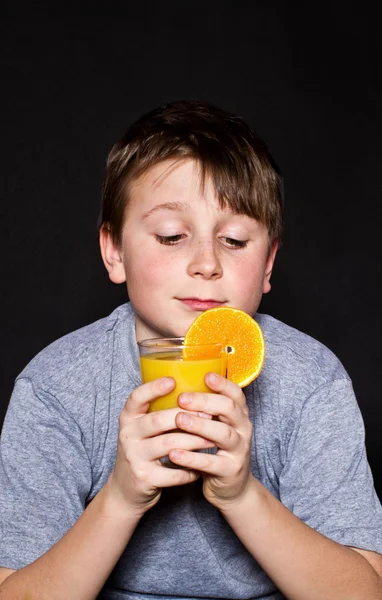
(146, 330)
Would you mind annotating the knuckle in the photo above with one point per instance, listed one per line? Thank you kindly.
(178, 477)
(206, 442)
(168, 442)
(139, 474)
(157, 420)
(231, 405)
(123, 435)
(227, 434)
(122, 419)
(133, 396)
(242, 399)
(246, 410)
(207, 462)
(190, 459)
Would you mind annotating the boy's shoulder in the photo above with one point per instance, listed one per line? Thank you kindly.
(79, 352)
(297, 354)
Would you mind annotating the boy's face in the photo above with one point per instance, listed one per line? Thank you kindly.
(181, 253)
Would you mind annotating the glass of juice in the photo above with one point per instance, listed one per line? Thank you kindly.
(170, 357)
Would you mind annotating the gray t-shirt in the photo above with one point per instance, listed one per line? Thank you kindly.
(58, 447)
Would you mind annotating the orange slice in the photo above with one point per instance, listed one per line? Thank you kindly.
(241, 336)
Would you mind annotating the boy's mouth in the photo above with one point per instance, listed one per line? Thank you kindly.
(200, 303)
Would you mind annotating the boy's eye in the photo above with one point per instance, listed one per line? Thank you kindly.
(235, 243)
(169, 240)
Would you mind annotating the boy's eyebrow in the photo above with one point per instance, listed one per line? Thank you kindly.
(174, 206)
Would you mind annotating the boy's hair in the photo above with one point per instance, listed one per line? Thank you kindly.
(241, 169)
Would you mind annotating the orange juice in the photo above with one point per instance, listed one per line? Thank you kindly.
(188, 374)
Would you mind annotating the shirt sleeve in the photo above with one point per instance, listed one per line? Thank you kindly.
(326, 480)
(45, 475)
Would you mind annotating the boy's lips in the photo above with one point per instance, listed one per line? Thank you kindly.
(200, 303)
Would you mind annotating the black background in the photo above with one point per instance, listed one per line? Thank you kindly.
(305, 76)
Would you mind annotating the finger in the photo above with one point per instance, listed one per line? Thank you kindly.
(163, 477)
(161, 445)
(199, 413)
(216, 405)
(213, 464)
(224, 436)
(153, 424)
(225, 387)
(139, 400)
(157, 422)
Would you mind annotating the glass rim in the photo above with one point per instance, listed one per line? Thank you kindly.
(175, 342)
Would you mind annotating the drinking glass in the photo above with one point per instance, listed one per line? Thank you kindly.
(187, 364)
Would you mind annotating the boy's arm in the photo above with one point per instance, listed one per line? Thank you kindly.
(373, 558)
(80, 563)
(4, 573)
(301, 562)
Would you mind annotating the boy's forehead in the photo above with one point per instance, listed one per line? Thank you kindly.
(176, 171)
(174, 185)
(177, 180)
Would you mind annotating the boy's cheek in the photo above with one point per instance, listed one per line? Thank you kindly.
(247, 297)
(148, 272)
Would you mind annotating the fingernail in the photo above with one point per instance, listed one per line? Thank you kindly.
(166, 383)
(204, 415)
(212, 378)
(176, 454)
(185, 398)
(185, 419)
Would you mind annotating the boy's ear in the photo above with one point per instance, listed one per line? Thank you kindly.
(269, 267)
(111, 256)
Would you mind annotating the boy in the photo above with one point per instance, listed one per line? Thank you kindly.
(191, 219)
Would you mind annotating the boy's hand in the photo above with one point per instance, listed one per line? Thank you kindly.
(227, 474)
(138, 475)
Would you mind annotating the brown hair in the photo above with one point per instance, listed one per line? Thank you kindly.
(241, 168)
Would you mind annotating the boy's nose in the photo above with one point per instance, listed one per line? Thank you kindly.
(205, 262)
